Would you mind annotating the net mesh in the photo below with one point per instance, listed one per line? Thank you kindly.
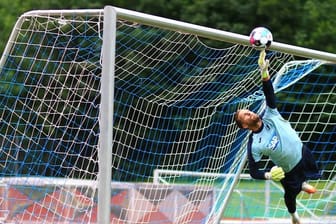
(173, 110)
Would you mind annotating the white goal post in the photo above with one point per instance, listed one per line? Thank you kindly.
(93, 101)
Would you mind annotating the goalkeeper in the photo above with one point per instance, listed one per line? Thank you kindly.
(272, 136)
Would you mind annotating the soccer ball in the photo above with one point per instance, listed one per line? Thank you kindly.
(261, 38)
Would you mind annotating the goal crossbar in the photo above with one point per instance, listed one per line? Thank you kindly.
(202, 31)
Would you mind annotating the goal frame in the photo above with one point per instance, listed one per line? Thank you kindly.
(111, 14)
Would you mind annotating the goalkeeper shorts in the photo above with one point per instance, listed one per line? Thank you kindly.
(306, 169)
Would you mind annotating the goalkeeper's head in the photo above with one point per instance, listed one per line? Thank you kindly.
(247, 119)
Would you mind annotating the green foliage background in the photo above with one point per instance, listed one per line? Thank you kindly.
(306, 23)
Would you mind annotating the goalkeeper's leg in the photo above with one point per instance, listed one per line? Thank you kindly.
(295, 218)
(290, 195)
(308, 188)
(290, 201)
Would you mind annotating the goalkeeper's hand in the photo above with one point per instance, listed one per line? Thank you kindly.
(275, 174)
(263, 65)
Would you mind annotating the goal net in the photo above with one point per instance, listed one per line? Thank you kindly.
(176, 87)
(308, 105)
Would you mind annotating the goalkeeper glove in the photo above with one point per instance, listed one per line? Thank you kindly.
(263, 65)
(275, 174)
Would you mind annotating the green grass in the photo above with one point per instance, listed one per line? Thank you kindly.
(248, 201)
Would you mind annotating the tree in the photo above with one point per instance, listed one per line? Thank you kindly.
(305, 23)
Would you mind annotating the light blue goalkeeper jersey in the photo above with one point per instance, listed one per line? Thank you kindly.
(278, 140)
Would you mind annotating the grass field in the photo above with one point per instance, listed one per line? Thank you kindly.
(253, 199)
(259, 199)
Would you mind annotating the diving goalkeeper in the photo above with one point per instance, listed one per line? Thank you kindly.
(272, 136)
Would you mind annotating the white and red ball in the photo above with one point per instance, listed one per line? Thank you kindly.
(261, 38)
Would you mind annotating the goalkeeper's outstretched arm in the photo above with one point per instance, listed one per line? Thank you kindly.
(266, 80)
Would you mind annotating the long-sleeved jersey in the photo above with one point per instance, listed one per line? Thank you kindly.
(276, 139)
